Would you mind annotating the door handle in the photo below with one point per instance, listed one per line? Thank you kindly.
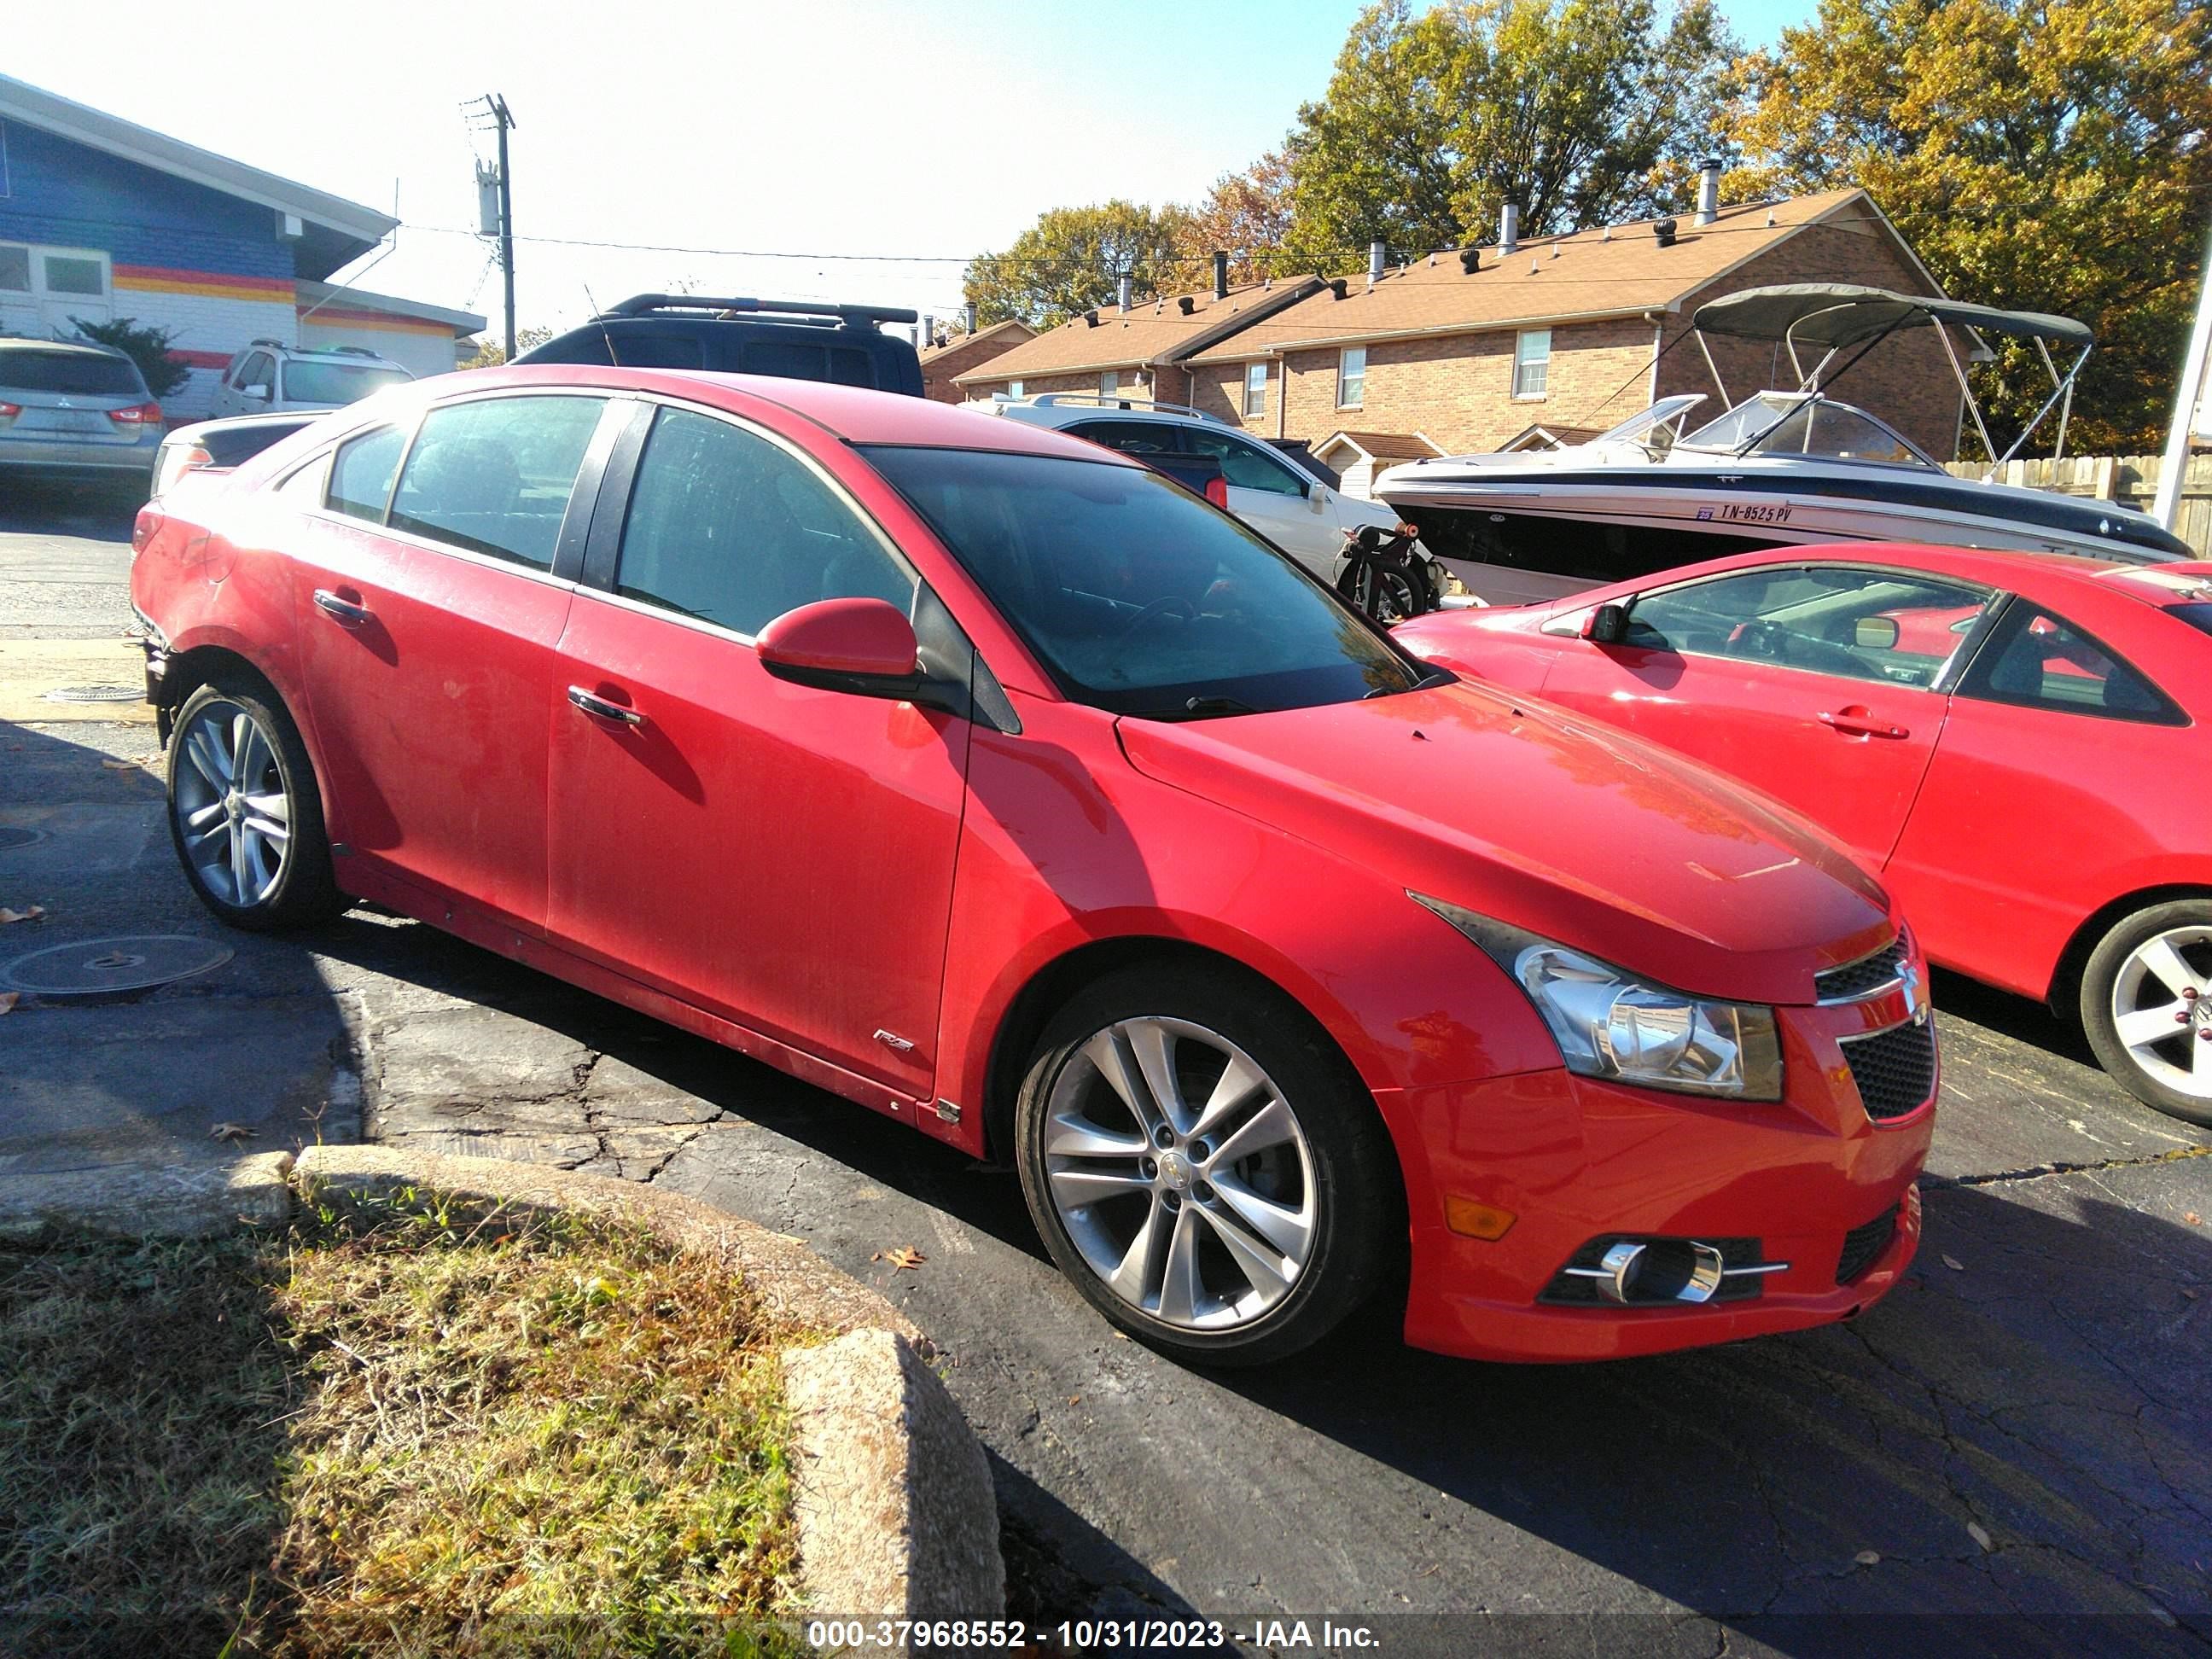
(340, 611)
(600, 708)
(1856, 722)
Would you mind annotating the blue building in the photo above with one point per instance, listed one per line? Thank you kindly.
(102, 218)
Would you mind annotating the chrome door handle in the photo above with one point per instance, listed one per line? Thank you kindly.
(600, 708)
(338, 610)
(1857, 723)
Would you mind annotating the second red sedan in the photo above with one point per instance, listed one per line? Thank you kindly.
(2015, 741)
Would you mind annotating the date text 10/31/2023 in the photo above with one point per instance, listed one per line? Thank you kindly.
(1320, 1635)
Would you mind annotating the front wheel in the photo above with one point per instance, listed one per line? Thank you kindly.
(1208, 1172)
(244, 813)
(2147, 1006)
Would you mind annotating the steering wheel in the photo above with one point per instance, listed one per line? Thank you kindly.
(1160, 607)
(1767, 641)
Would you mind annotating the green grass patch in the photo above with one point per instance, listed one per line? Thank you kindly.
(411, 1425)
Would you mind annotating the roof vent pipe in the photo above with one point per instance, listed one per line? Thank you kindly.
(1709, 190)
(1121, 292)
(1508, 229)
(1376, 253)
(1220, 275)
(928, 330)
(967, 317)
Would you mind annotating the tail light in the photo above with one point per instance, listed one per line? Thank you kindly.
(174, 461)
(9, 412)
(144, 529)
(146, 413)
(1216, 491)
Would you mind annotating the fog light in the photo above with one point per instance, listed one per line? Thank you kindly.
(1665, 1270)
(1472, 1220)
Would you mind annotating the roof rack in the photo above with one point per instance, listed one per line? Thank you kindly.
(1051, 400)
(641, 305)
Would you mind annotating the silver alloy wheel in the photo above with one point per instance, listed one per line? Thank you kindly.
(1180, 1173)
(233, 817)
(2162, 1009)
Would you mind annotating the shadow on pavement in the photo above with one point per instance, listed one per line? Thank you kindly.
(99, 512)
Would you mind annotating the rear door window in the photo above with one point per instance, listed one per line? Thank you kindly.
(1247, 465)
(362, 474)
(493, 475)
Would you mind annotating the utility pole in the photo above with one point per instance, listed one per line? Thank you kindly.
(496, 193)
(2167, 504)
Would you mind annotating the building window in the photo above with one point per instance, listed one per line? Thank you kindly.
(70, 273)
(1109, 382)
(1255, 388)
(1531, 362)
(47, 290)
(1352, 377)
(14, 267)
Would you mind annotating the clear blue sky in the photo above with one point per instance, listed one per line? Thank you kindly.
(839, 126)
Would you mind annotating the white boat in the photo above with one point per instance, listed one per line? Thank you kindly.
(1779, 467)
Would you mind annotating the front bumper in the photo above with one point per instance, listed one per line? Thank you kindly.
(1576, 1160)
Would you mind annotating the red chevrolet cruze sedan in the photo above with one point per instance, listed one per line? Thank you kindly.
(993, 782)
(2014, 740)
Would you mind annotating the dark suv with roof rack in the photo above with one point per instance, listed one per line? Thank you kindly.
(796, 339)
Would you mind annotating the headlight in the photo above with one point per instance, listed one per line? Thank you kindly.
(1609, 1024)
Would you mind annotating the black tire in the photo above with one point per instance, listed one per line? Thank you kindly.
(304, 892)
(1357, 1230)
(2102, 981)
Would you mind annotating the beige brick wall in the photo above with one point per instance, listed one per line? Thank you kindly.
(1136, 383)
(1457, 389)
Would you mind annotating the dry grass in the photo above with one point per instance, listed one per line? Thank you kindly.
(411, 1426)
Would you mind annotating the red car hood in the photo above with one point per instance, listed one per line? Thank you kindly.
(1522, 812)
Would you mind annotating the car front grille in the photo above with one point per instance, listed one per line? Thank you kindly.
(1574, 1291)
(1895, 1070)
(1863, 1246)
(1866, 974)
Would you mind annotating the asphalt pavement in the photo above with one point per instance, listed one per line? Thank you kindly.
(2019, 1439)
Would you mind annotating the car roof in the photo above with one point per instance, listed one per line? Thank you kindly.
(856, 415)
(77, 348)
(2016, 568)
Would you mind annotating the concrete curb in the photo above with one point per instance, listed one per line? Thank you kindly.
(896, 1516)
(131, 1201)
(895, 1512)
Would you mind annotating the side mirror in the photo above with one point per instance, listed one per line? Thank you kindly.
(1606, 625)
(1875, 633)
(865, 646)
(258, 392)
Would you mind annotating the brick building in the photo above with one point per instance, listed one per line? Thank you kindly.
(941, 364)
(1137, 351)
(100, 218)
(1464, 352)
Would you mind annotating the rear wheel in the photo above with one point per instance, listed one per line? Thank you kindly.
(2147, 1006)
(244, 813)
(1205, 1166)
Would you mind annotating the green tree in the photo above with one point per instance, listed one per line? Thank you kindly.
(491, 352)
(2039, 154)
(1072, 259)
(146, 345)
(1583, 112)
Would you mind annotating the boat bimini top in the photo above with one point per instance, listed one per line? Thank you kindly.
(1833, 318)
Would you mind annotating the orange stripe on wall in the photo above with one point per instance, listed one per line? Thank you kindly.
(163, 279)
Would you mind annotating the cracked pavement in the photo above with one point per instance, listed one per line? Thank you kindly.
(2025, 1429)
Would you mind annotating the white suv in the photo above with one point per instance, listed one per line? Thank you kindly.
(269, 376)
(1280, 498)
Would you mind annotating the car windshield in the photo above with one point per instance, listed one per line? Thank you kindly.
(1138, 597)
(70, 375)
(1793, 423)
(311, 382)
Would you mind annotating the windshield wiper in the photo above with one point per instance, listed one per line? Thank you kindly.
(1202, 706)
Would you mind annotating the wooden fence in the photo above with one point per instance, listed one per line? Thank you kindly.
(2130, 480)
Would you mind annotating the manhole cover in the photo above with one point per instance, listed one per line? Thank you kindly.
(90, 967)
(95, 694)
(13, 836)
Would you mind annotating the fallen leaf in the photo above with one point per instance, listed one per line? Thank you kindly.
(230, 1132)
(121, 765)
(1976, 1531)
(2190, 1294)
(901, 1256)
(2191, 1219)
(31, 914)
(7, 1000)
(1869, 1558)
(1954, 1264)
(1075, 1399)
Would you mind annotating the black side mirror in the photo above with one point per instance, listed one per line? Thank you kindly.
(1607, 625)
